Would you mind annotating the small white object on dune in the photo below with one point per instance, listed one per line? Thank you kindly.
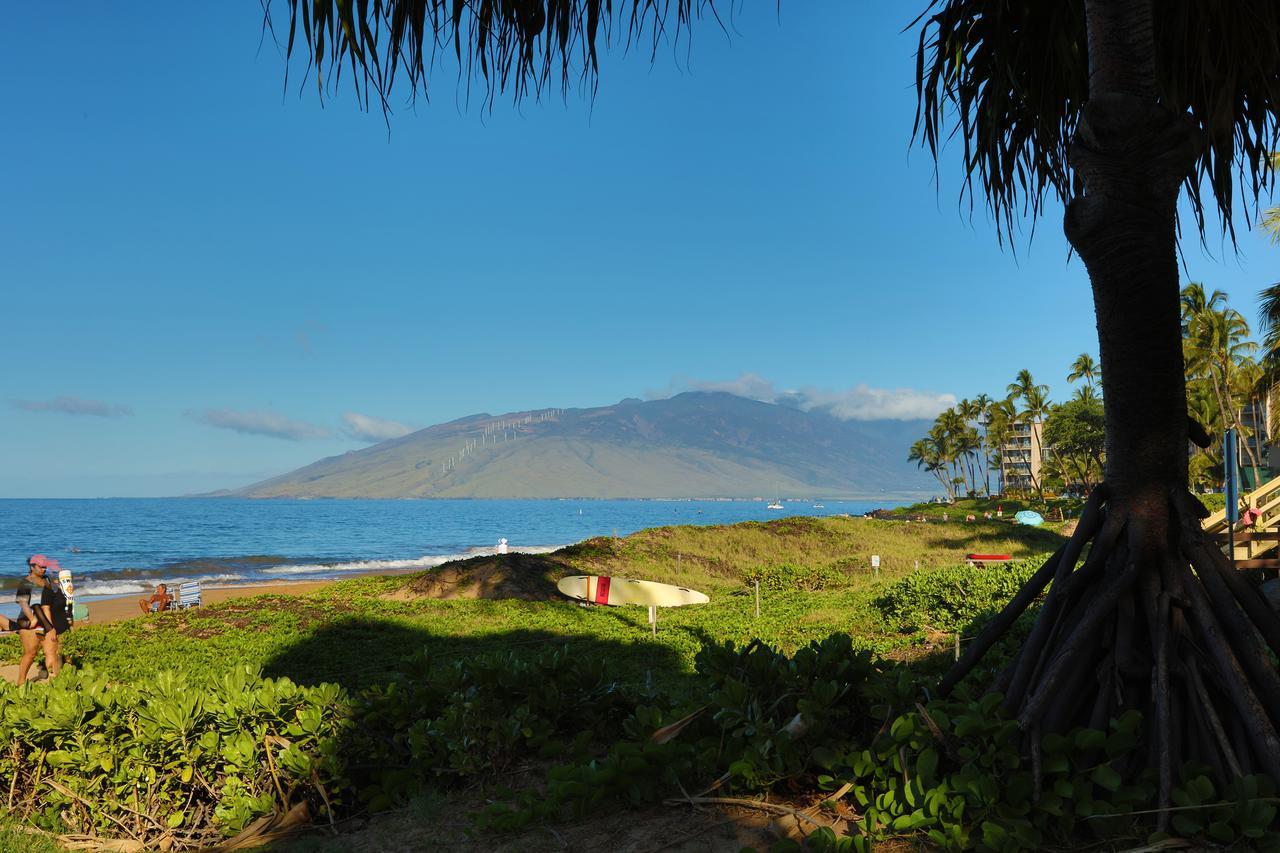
(502, 546)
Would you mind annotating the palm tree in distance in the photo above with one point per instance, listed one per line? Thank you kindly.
(1084, 367)
(1146, 105)
(982, 416)
(927, 456)
(1035, 410)
(1023, 385)
(972, 412)
(1085, 394)
(1001, 415)
(1216, 347)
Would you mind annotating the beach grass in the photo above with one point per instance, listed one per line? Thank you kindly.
(357, 632)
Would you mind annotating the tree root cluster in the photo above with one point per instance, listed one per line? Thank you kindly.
(1155, 620)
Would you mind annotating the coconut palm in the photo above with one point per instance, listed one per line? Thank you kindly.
(1248, 388)
(1147, 105)
(1085, 394)
(1218, 352)
(928, 457)
(1001, 415)
(949, 432)
(1269, 314)
(982, 416)
(1084, 367)
(1035, 410)
(973, 411)
(1023, 385)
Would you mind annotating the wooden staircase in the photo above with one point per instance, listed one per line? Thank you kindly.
(1258, 545)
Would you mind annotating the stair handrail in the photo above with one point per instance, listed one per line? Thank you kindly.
(1265, 498)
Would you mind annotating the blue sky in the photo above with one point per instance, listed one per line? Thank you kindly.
(203, 273)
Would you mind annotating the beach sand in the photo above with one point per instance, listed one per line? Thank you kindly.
(115, 609)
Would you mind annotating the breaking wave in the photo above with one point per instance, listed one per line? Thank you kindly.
(257, 569)
(375, 566)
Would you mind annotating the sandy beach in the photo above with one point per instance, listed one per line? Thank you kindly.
(106, 610)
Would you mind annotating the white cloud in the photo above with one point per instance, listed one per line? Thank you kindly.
(371, 429)
(859, 403)
(260, 423)
(75, 406)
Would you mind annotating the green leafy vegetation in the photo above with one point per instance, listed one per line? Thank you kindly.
(953, 598)
(365, 696)
(191, 757)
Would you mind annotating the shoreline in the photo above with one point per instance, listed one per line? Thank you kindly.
(118, 608)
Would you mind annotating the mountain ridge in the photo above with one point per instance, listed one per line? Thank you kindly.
(698, 444)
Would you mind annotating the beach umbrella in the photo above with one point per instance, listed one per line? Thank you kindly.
(1026, 516)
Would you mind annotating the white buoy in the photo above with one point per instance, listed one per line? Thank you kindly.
(502, 546)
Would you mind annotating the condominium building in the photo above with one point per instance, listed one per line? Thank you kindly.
(1021, 456)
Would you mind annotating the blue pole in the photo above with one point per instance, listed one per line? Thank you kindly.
(1231, 476)
(1231, 490)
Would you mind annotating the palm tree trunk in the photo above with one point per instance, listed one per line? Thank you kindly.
(1133, 155)
(1135, 625)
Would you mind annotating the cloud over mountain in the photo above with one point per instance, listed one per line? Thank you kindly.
(371, 429)
(67, 405)
(859, 403)
(260, 423)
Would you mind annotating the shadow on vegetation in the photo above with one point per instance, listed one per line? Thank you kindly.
(434, 713)
(1031, 537)
(360, 652)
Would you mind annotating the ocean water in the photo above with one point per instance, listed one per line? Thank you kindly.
(124, 546)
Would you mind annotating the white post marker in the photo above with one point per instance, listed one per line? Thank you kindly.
(653, 618)
(875, 565)
(757, 599)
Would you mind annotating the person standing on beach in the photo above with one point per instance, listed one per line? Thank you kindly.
(47, 610)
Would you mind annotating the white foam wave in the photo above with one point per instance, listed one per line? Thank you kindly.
(425, 562)
(104, 589)
(110, 588)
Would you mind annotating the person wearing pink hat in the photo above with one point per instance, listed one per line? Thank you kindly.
(47, 612)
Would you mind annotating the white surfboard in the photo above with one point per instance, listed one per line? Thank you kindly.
(618, 591)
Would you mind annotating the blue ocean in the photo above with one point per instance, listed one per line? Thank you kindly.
(124, 546)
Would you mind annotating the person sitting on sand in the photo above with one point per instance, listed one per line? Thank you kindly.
(159, 600)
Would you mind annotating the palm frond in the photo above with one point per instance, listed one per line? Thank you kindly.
(1010, 78)
(1269, 317)
(520, 47)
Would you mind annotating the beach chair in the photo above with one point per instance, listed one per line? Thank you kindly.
(186, 595)
(80, 613)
